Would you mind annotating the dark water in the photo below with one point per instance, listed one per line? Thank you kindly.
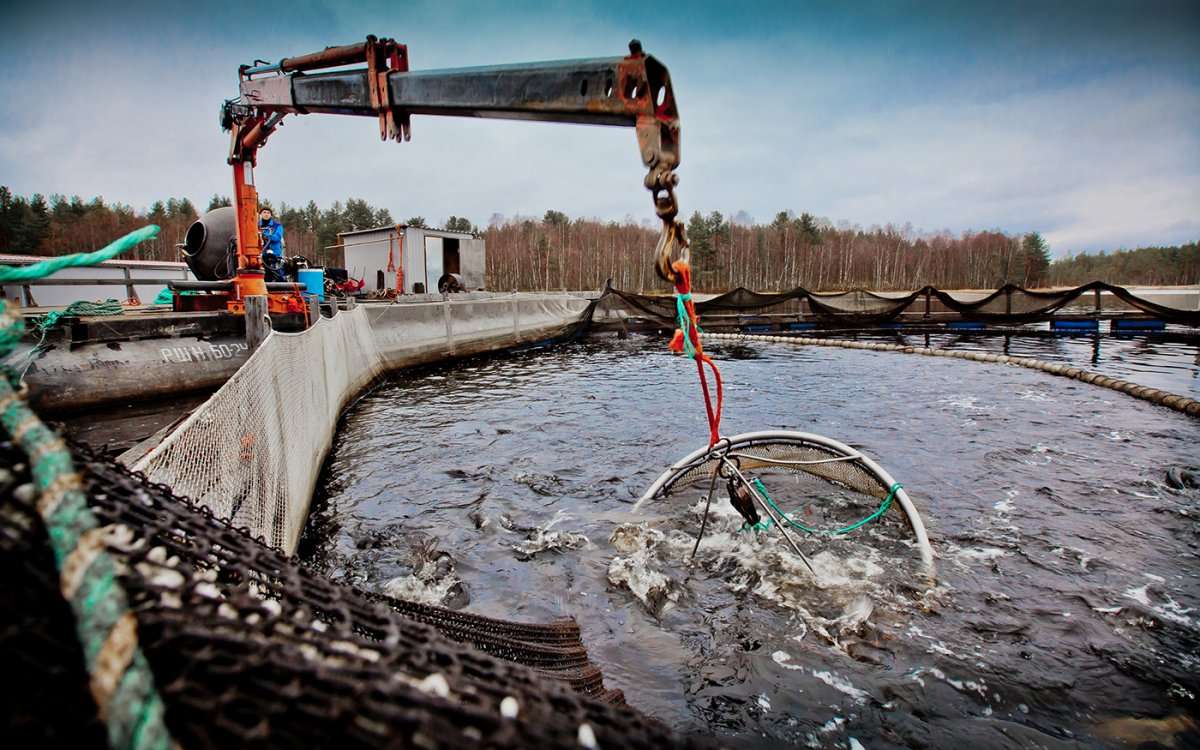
(1066, 607)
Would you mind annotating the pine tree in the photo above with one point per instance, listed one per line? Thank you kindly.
(218, 201)
(39, 223)
(1036, 255)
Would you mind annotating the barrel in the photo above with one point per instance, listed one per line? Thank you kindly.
(313, 280)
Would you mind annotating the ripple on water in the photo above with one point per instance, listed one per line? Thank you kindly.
(1067, 576)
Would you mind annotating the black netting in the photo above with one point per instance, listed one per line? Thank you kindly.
(249, 648)
(1009, 304)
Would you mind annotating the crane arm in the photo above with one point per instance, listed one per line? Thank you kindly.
(630, 91)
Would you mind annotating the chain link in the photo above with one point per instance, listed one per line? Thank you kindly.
(672, 242)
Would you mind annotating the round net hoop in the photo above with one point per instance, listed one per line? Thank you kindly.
(799, 452)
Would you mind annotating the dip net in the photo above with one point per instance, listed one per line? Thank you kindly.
(802, 483)
(247, 648)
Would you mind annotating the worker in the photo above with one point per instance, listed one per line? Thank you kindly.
(272, 245)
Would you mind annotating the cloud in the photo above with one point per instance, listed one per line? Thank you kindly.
(1074, 120)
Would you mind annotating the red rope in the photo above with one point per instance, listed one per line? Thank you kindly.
(683, 287)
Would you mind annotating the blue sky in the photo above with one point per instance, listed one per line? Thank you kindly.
(1078, 120)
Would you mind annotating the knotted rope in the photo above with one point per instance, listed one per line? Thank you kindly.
(687, 341)
(119, 676)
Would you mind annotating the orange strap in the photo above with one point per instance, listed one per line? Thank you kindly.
(683, 288)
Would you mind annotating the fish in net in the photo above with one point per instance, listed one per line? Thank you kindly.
(796, 483)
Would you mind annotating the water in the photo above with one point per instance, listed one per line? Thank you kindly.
(1066, 607)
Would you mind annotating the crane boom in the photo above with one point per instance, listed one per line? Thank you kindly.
(630, 91)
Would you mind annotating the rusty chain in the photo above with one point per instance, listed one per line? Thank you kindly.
(672, 242)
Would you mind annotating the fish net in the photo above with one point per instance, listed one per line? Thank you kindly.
(803, 481)
(248, 648)
(1008, 304)
(252, 452)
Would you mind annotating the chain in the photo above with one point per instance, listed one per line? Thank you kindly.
(673, 240)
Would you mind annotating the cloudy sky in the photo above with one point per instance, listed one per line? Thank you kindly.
(1080, 120)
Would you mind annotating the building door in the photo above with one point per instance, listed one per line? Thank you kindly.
(433, 263)
(450, 262)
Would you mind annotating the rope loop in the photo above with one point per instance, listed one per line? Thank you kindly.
(788, 520)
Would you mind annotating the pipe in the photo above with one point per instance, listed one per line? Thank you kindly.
(326, 58)
(200, 286)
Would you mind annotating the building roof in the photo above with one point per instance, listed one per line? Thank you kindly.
(428, 230)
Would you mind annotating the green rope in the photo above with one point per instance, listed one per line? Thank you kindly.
(133, 711)
(11, 335)
(9, 274)
(79, 309)
(685, 325)
(768, 523)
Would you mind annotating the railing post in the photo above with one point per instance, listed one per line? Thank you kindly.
(1099, 307)
(258, 324)
(314, 310)
(130, 291)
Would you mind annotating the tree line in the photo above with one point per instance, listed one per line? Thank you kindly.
(791, 251)
(556, 251)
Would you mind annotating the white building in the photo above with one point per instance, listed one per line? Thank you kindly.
(412, 259)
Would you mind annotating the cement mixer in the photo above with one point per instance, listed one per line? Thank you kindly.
(210, 246)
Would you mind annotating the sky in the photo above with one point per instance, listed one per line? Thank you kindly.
(1080, 120)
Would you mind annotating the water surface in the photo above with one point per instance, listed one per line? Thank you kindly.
(1066, 606)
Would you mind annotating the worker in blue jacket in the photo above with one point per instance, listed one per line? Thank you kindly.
(272, 245)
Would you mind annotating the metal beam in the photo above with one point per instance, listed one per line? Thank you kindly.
(632, 91)
(580, 91)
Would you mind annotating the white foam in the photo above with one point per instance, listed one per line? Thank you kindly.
(1139, 595)
(842, 685)
(543, 539)
(635, 570)
(782, 657)
(981, 553)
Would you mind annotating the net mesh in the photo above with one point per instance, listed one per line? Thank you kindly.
(1009, 304)
(825, 488)
(252, 452)
(790, 457)
(249, 648)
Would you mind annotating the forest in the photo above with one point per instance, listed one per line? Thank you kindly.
(555, 251)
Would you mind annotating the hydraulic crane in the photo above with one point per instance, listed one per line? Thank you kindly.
(630, 91)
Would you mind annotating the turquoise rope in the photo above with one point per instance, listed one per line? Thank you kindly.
(685, 323)
(134, 714)
(767, 524)
(81, 309)
(11, 335)
(41, 270)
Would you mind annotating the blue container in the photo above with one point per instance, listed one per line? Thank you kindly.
(801, 326)
(965, 325)
(1075, 326)
(1119, 325)
(756, 328)
(313, 281)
